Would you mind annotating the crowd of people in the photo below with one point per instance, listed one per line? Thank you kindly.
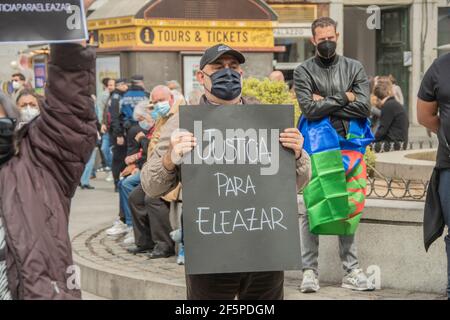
(135, 132)
(129, 121)
(132, 122)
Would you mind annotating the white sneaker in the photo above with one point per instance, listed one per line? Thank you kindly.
(357, 280)
(109, 178)
(117, 229)
(180, 258)
(129, 238)
(310, 283)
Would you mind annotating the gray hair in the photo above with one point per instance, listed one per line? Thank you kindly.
(165, 89)
(175, 83)
(141, 109)
(8, 106)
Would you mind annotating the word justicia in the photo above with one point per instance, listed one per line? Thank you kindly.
(35, 7)
(238, 146)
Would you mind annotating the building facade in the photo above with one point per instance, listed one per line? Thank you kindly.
(398, 37)
(293, 32)
(164, 39)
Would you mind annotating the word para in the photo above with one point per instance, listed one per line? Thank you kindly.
(234, 185)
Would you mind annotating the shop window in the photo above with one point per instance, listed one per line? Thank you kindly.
(297, 50)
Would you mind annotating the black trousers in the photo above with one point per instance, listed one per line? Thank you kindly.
(151, 223)
(228, 286)
(141, 223)
(102, 157)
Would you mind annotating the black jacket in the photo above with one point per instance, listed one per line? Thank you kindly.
(134, 146)
(116, 127)
(433, 221)
(394, 122)
(332, 82)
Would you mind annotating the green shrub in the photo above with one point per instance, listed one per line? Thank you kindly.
(270, 92)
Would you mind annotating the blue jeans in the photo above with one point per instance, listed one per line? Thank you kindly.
(444, 194)
(106, 149)
(88, 169)
(126, 186)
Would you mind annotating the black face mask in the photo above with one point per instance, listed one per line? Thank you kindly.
(327, 49)
(7, 126)
(226, 84)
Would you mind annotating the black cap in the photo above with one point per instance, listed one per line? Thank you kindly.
(214, 53)
(121, 81)
(137, 78)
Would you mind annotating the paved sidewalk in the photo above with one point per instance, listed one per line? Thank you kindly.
(94, 207)
(110, 269)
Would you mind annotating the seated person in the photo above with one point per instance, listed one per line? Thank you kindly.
(138, 137)
(151, 222)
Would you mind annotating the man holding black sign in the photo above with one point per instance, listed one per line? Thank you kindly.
(221, 75)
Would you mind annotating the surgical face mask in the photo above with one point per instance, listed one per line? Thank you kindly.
(226, 84)
(16, 85)
(161, 110)
(145, 125)
(327, 49)
(28, 113)
(7, 127)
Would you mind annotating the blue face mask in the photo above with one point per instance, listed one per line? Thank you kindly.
(161, 110)
(145, 125)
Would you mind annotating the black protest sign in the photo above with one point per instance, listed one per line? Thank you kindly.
(239, 191)
(42, 21)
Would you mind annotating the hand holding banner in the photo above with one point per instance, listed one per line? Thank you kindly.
(239, 192)
(43, 21)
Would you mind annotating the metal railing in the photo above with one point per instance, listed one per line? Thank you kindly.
(396, 189)
(381, 187)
